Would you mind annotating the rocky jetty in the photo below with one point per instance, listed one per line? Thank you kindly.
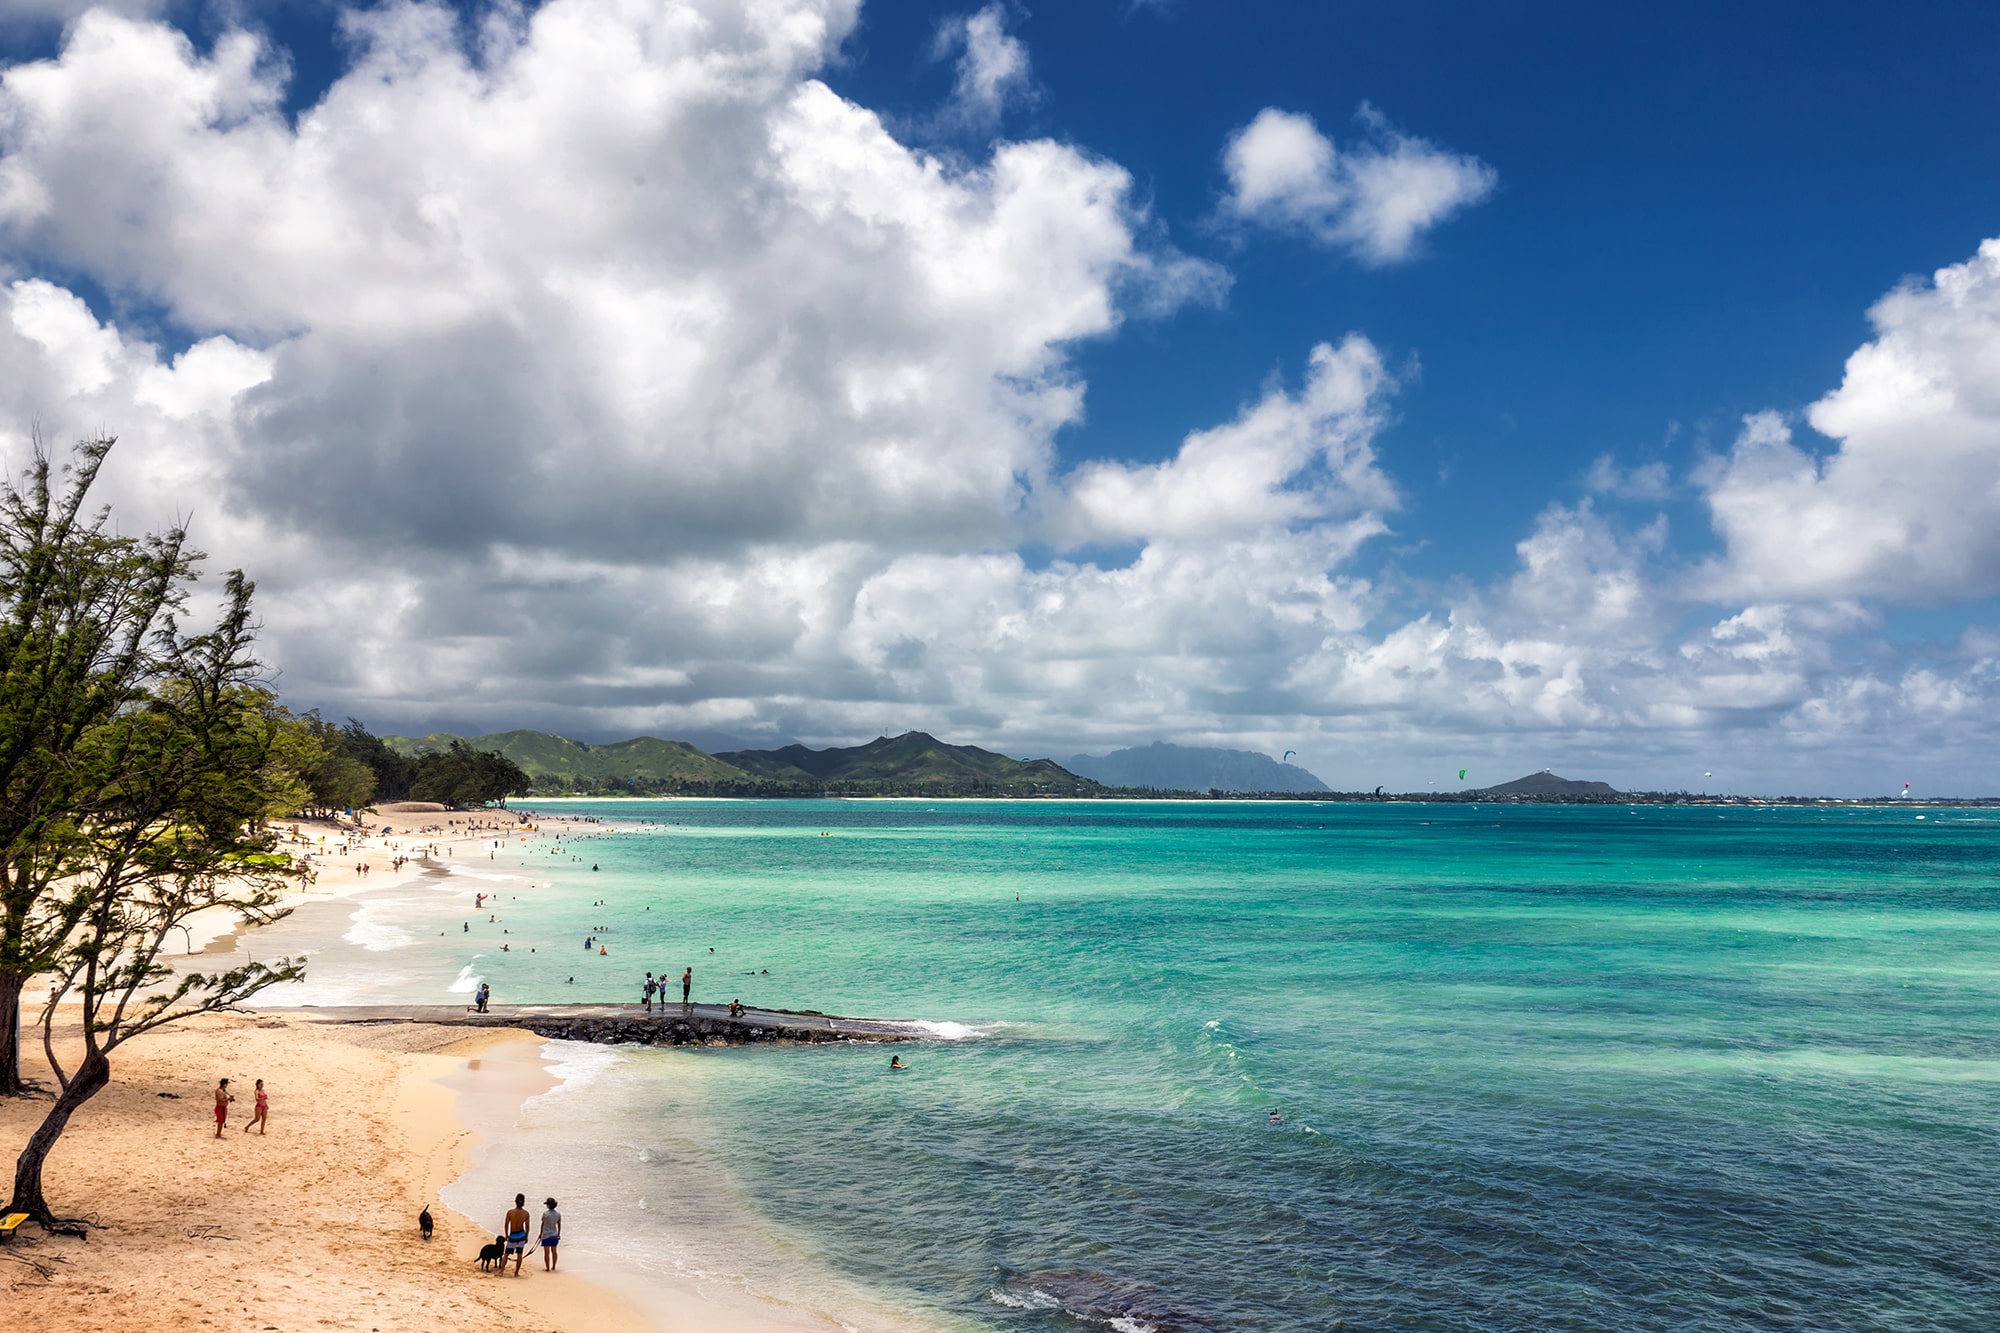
(632, 1025)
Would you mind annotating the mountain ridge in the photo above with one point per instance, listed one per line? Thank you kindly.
(915, 759)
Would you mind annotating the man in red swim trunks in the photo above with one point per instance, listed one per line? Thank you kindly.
(222, 1100)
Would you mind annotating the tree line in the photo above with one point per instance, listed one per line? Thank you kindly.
(351, 768)
(142, 762)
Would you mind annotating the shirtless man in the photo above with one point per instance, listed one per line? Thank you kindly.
(687, 985)
(516, 1232)
(222, 1100)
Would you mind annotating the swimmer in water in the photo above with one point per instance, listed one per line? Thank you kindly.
(1275, 1117)
(896, 1062)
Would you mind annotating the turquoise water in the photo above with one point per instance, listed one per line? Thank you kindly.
(1536, 1068)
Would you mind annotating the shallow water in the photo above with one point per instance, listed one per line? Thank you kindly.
(1536, 1068)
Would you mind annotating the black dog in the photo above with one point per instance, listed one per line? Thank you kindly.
(494, 1254)
(424, 1223)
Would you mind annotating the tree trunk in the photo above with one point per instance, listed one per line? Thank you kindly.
(90, 1079)
(10, 1034)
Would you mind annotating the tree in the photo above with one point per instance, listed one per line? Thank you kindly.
(459, 776)
(393, 772)
(80, 613)
(188, 778)
(335, 780)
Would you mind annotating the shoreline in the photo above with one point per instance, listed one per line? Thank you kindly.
(371, 1122)
(311, 1224)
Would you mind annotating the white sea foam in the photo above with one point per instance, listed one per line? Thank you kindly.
(468, 980)
(470, 873)
(1025, 1300)
(373, 933)
(943, 1029)
(574, 1065)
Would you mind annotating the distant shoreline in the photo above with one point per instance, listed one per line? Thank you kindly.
(1621, 799)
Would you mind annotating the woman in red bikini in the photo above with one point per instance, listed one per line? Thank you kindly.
(259, 1117)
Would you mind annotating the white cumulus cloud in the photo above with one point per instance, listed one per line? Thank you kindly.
(1906, 508)
(1374, 198)
(992, 68)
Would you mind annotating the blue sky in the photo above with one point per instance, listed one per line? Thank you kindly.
(1671, 222)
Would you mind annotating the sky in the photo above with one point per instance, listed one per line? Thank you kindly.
(1610, 389)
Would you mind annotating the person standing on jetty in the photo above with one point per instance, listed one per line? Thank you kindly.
(687, 989)
(652, 987)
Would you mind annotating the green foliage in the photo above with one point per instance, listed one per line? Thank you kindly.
(139, 766)
(82, 616)
(460, 776)
(333, 779)
(393, 772)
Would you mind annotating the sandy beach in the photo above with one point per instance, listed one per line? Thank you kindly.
(314, 1224)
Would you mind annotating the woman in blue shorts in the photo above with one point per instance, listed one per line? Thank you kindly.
(551, 1235)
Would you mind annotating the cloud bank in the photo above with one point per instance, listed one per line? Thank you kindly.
(610, 372)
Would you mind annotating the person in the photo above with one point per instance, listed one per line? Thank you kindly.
(260, 1112)
(551, 1235)
(222, 1100)
(485, 996)
(736, 1008)
(516, 1232)
(652, 988)
(896, 1062)
(687, 987)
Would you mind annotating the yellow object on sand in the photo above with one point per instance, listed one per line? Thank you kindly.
(10, 1224)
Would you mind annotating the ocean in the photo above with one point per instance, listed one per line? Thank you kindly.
(1285, 1067)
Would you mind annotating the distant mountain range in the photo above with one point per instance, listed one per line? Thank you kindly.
(914, 761)
(919, 764)
(558, 763)
(913, 764)
(1164, 767)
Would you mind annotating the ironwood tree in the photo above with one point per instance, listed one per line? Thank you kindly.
(82, 609)
(190, 777)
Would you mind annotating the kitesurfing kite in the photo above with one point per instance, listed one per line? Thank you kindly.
(1461, 775)
(1288, 755)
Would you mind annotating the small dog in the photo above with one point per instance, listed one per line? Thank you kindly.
(424, 1223)
(494, 1254)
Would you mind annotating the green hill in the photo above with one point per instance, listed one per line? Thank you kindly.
(556, 763)
(1547, 786)
(913, 763)
(909, 765)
